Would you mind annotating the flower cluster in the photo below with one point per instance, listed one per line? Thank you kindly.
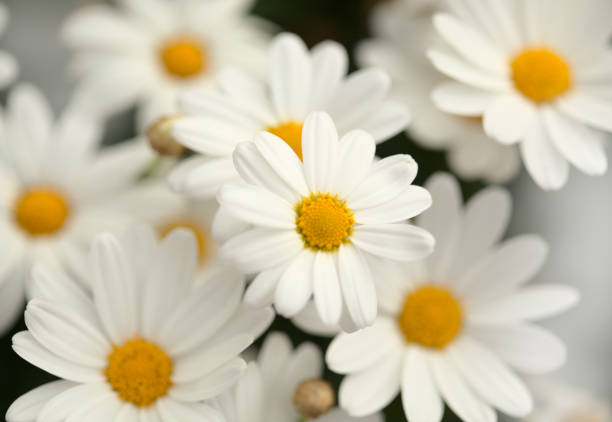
(252, 192)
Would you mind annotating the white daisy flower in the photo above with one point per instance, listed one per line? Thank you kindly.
(145, 52)
(275, 387)
(454, 326)
(405, 31)
(556, 402)
(57, 189)
(535, 76)
(298, 82)
(9, 67)
(146, 346)
(316, 222)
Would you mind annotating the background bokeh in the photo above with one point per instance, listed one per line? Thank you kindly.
(576, 222)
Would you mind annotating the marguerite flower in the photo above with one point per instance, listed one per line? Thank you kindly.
(316, 222)
(57, 189)
(298, 82)
(8, 65)
(145, 52)
(452, 327)
(273, 388)
(146, 346)
(404, 32)
(556, 402)
(535, 76)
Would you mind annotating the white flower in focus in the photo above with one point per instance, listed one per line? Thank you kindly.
(146, 52)
(267, 391)
(58, 189)
(298, 82)
(536, 77)
(405, 31)
(8, 65)
(316, 222)
(146, 345)
(556, 402)
(453, 328)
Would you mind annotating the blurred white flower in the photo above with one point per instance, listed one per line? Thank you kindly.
(557, 402)
(316, 222)
(266, 391)
(9, 68)
(298, 82)
(452, 327)
(146, 345)
(146, 51)
(58, 189)
(404, 32)
(536, 77)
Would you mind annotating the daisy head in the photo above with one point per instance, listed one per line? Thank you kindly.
(316, 222)
(404, 31)
(8, 65)
(284, 384)
(298, 82)
(58, 188)
(453, 328)
(145, 52)
(146, 344)
(534, 76)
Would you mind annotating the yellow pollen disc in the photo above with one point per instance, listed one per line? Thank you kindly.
(541, 74)
(291, 133)
(41, 211)
(183, 57)
(324, 221)
(200, 233)
(139, 372)
(431, 317)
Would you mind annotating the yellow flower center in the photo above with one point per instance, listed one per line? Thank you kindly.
(324, 221)
(41, 211)
(291, 133)
(541, 74)
(431, 317)
(183, 57)
(201, 234)
(139, 371)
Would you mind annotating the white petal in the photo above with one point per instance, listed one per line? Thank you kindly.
(27, 407)
(226, 226)
(257, 206)
(100, 409)
(408, 204)
(250, 395)
(12, 295)
(61, 407)
(158, 14)
(9, 68)
(290, 76)
(490, 378)
(498, 125)
(248, 88)
(579, 144)
(176, 410)
(548, 168)
(207, 136)
(420, 397)
(463, 402)
(261, 290)
(399, 242)
(212, 385)
(309, 321)
(456, 98)
(329, 66)
(326, 288)
(588, 109)
(466, 73)
(355, 155)
(305, 363)
(388, 120)
(274, 352)
(295, 285)
(202, 176)
(320, 151)
(357, 286)
(260, 249)
(370, 391)
(358, 351)
(527, 348)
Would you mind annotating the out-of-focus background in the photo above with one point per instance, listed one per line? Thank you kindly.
(576, 222)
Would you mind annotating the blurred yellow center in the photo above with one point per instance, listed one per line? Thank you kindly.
(431, 317)
(324, 221)
(200, 233)
(183, 57)
(41, 211)
(139, 372)
(291, 133)
(541, 74)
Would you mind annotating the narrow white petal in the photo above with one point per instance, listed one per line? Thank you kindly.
(177, 410)
(274, 352)
(261, 290)
(588, 109)
(210, 386)
(27, 407)
(456, 98)
(250, 395)
(320, 151)
(399, 242)
(357, 286)
(326, 288)
(408, 204)
(295, 285)
(355, 156)
(420, 397)
(79, 398)
(498, 125)
(329, 66)
(466, 73)
(386, 121)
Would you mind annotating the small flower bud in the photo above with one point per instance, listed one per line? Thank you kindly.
(313, 398)
(160, 137)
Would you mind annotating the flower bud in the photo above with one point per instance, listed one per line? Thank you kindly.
(313, 398)
(159, 135)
